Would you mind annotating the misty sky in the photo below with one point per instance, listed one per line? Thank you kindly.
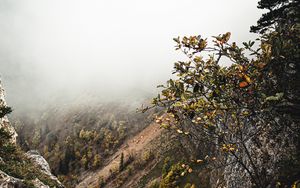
(114, 47)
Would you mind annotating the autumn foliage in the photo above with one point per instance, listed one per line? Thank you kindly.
(225, 97)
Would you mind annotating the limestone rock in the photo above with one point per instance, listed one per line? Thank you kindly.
(4, 121)
(7, 181)
(37, 159)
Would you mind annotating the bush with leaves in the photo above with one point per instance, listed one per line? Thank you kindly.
(228, 108)
(172, 178)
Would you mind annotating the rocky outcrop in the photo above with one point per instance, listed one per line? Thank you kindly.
(38, 183)
(7, 181)
(43, 165)
(4, 121)
(268, 153)
(35, 160)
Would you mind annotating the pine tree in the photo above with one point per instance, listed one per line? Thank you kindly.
(280, 11)
(280, 27)
(6, 147)
(121, 166)
(4, 110)
(97, 161)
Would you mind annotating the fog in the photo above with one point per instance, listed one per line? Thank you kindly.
(114, 50)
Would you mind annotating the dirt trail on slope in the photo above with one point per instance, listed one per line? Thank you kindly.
(134, 145)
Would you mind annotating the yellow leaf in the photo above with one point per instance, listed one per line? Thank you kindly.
(179, 131)
(241, 68)
(198, 59)
(225, 37)
(247, 78)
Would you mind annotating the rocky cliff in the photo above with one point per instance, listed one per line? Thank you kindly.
(4, 121)
(272, 158)
(18, 169)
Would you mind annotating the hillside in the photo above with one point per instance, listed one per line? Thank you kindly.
(82, 141)
(130, 148)
(84, 145)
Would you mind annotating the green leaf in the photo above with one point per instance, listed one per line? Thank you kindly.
(277, 97)
(177, 39)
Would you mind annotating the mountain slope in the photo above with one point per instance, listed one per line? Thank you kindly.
(133, 146)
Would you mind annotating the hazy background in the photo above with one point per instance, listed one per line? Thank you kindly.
(53, 50)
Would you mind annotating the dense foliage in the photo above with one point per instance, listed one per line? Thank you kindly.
(233, 109)
(279, 11)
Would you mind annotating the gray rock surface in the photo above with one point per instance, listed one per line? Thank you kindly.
(4, 121)
(267, 151)
(7, 181)
(41, 162)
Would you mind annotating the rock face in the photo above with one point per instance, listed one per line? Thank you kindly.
(7, 181)
(269, 152)
(4, 121)
(39, 161)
